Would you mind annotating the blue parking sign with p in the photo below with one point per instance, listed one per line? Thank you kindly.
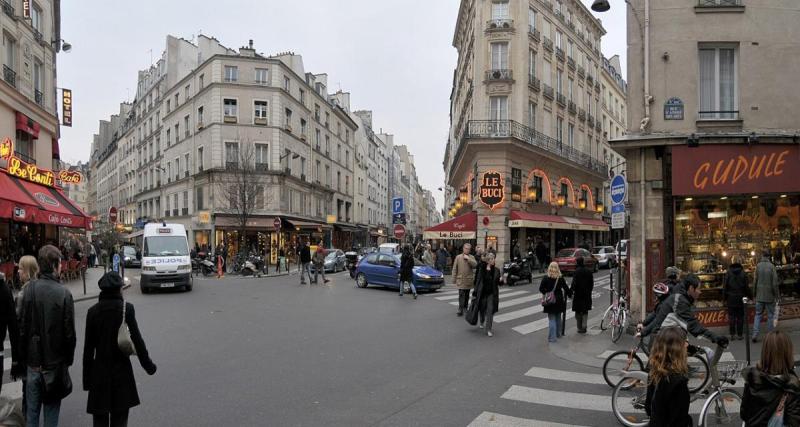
(397, 205)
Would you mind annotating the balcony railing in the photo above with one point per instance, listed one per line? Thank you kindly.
(547, 43)
(719, 3)
(499, 24)
(534, 34)
(9, 75)
(572, 107)
(534, 83)
(547, 91)
(581, 72)
(38, 96)
(512, 129)
(561, 99)
(499, 74)
(570, 63)
(231, 165)
(261, 167)
(718, 115)
(560, 54)
(7, 8)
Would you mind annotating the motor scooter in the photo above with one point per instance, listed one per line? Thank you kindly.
(517, 269)
(351, 262)
(202, 264)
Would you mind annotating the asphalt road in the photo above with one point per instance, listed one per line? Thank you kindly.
(264, 352)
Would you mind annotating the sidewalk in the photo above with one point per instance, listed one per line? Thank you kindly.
(93, 275)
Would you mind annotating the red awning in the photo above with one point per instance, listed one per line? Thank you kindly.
(27, 125)
(461, 227)
(26, 201)
(531, 220)
(56, 150)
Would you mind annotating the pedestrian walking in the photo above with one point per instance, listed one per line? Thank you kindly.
(541, 255)
(28, 272)
(441, 259)
(8, 322)
(319, 263)
(92, 255)
(47, 330)
(582, 286)
(734, 289)
(464, 274)
(767, 293)
(487, 292)
(305, 263)
(554, 292)
(667, 401)
(107, 372)
(771, 388)
(407, 271)
(427, 256)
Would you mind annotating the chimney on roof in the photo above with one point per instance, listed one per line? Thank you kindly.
(250, 43)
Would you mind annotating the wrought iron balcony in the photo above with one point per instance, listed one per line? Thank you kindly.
(547, 43)
(581, 114)
(38, 96)
(718, 115)
(570, 63)
(533, 83)
(548, 92)
(559, 15)
(9, 75)
(499, 74)
(7, 8)
(561, 99)
(534, 34)
(262, 167)
(581, 72)
(499, 24)
(560, 54)
(719, 3)
(572, 107)
(511, 129)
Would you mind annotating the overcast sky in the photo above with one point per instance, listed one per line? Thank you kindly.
(395, 57)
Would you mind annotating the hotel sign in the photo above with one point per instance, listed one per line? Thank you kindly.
(492, 189)
(735, 169)
(66, 107)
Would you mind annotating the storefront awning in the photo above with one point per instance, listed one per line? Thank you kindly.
(347, 228)
(307, 224)
(461, 227)
(252, 222)
(26, 201)
(556, 222)
(27, 125)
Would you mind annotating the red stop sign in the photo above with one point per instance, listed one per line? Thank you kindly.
(112, 215)
(277, 224)
(399, 231)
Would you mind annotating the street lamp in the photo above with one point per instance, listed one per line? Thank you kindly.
(532, 194)
(599, 207)
(562, 200)
(582, 203)
(601, 6)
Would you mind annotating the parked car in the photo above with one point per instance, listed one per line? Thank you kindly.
(567, 258)
(606, 256)
(335, 260)
(383, 269)
(130, 258)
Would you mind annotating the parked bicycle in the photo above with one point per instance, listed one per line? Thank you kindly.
(616, 316)
(721, 406)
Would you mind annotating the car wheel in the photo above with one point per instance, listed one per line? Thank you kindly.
(361, 280)
(188, 288)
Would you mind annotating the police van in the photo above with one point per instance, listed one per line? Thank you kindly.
(165, 258)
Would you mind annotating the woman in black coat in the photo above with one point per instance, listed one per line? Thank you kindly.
(734, 289)
(582, 285)
(487, 292)
(554, 282)
(107, 372)
(407, 271)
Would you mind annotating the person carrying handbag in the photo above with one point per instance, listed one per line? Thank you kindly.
(771, 388)
(109, 343)
(554, 291)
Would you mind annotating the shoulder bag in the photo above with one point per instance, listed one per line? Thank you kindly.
(124, 341)
(776, 420)
(549, 298)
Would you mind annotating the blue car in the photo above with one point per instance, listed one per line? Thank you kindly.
(383, 269)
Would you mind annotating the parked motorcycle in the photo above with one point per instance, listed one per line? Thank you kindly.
(518, 269)
(351, 261)
(202, 264)
(245, 266)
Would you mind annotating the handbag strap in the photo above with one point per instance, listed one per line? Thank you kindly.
(781, 405)
(123, 310)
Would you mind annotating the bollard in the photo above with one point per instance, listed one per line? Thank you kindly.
(746, 331)
(83, 276)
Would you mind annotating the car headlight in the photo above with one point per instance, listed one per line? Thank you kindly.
(184, 267)
(423, 276)
(145, 268)
(127, 258)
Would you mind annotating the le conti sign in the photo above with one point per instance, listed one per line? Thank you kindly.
(735, 169)
(19, 168)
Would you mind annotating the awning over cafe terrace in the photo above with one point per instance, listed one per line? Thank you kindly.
(555, 222)
(25, 201)
(461, 227)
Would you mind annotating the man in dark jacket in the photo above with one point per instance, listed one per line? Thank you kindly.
(487, 292)
(767, 293)
(582, 286)
(677, 311)
(47, 327)
(441, 259)
(407, 271)
(541, 256)
(8, 322)
(734, 289)
(305, 263)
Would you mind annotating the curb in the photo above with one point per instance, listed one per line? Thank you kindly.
(92, 296)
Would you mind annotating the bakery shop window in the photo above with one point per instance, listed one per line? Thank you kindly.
(712, 233)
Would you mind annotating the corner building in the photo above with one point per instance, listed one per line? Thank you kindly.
(525, 124)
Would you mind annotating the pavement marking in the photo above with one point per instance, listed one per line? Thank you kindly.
(12, 391)
(517, 301)
(447, 297)
(491, 419)
(512, 315)
(538, 325)
(502, 295)
(6, 363)
(575, 377)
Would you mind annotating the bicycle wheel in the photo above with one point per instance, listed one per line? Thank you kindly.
(607, 316)
(628, 402)
(618, 329)
(699, 373)
(721, 409)
(618, 362)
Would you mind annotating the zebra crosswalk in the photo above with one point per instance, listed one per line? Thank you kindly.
(520, 307)
(12, 390)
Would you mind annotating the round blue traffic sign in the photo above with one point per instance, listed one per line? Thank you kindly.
(618, 189)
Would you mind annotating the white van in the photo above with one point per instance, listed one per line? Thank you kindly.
(165, 258)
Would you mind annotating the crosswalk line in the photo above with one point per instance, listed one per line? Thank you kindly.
(574, 377)
(12, 391)
(447, 297)
(503, 293)
(6, 363)
(491, 419)
(537, 325)
(517, 301)
(512, 315)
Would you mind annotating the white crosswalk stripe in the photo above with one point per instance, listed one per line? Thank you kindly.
(517, 301)
(538, 325)
(491, 419)
(726, 356)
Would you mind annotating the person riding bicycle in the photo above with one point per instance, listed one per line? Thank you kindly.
(662, 291)
(676, 310)
(672, 278)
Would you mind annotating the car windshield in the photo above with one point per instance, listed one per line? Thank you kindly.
(165, 246)
(565, 253)
(129, 251)
(331, 255)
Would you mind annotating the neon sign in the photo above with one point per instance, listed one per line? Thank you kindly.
(30, 172)
(491, 189)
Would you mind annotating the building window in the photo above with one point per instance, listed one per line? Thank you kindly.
(231, 73)
(199, 116)
(559, 81)
(10, 46)
(168, 138)
(232, 154)
(718, 83)
(570, 85)
(260, 110)
(186, 91)
(317, 172)
(532, 63)
(199, 159)
(186, 125)
(339, 153)
(36, 17)
(531, 115)
(327, 120)
(558, 39)
(317, 138)
(259, 197)
(177, 99)
(262, 76)
(498, 108)
(328, 176)
(262, 156)
(287, 84)
(177, 132)
(186, 165)
(200, 82)
(339, 181)
(327, 145)
(571, 135)
(230, 108)
(199, 199)
(560, 129)
(500, 10)
(302, 97)
(185, 210)
(547, 73)
(499, 56)
(288, 118)
(532, 18)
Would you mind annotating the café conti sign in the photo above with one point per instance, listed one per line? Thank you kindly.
(735, 169)
(21, 169)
